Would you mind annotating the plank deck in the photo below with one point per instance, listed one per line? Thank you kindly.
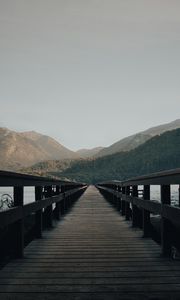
(92, 253)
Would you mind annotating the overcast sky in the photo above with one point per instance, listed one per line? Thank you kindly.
(89, 72)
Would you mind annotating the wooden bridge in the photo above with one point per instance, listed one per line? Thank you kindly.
(101, 248)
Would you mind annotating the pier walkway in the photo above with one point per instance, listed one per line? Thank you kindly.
(92, 253)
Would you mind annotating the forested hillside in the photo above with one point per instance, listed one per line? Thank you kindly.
(157, 154)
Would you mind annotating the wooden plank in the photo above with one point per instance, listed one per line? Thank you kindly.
(90, 296)
(91, 274)
(93, 288)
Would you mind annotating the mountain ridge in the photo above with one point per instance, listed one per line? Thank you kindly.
(24, 149)
(18, 150)
(135, 140)
(159, 153)
(87, 153)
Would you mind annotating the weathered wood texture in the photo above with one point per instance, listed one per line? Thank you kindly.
(93, 253)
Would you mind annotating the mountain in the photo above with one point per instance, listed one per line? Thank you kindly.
(163, 128)
(50, 146)
(86, 153)
(133, 141)
(157, 154)
(22, 149)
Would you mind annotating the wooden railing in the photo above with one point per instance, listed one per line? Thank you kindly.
(132, 199)
(52, 199)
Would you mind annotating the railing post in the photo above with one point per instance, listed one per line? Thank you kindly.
(113, 196)
(135, 211)
(127, 207)
(122, 201)
(165, 224)
(146, 214)
(116, 196)
(66, 188)
(69, 200)
(48, 212)
(18, 227)
(63, 200)
(119, 198)
(58, 206)
(38, 216)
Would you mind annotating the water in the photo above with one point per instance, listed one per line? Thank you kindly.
(155, 194)
(29, 194)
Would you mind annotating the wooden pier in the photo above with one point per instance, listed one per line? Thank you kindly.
(92, 253)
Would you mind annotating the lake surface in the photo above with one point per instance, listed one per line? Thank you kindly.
(155, 194)
(29, 194)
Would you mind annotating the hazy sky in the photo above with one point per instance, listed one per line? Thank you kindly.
(89, 72)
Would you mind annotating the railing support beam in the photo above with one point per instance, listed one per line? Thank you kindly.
(119, 190)
(38, 216)
(123, 211)
(146, 214)
(48, 212)
(18, 227)
(127, 206)
(58, 205)
(165, 224)
(135, 210)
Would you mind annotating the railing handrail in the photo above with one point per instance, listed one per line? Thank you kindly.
(52, 198)
(164, 177)
(19, 179)
(135, 203)
(16, 213)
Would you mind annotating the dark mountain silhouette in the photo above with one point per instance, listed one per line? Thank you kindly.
(157, 154)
